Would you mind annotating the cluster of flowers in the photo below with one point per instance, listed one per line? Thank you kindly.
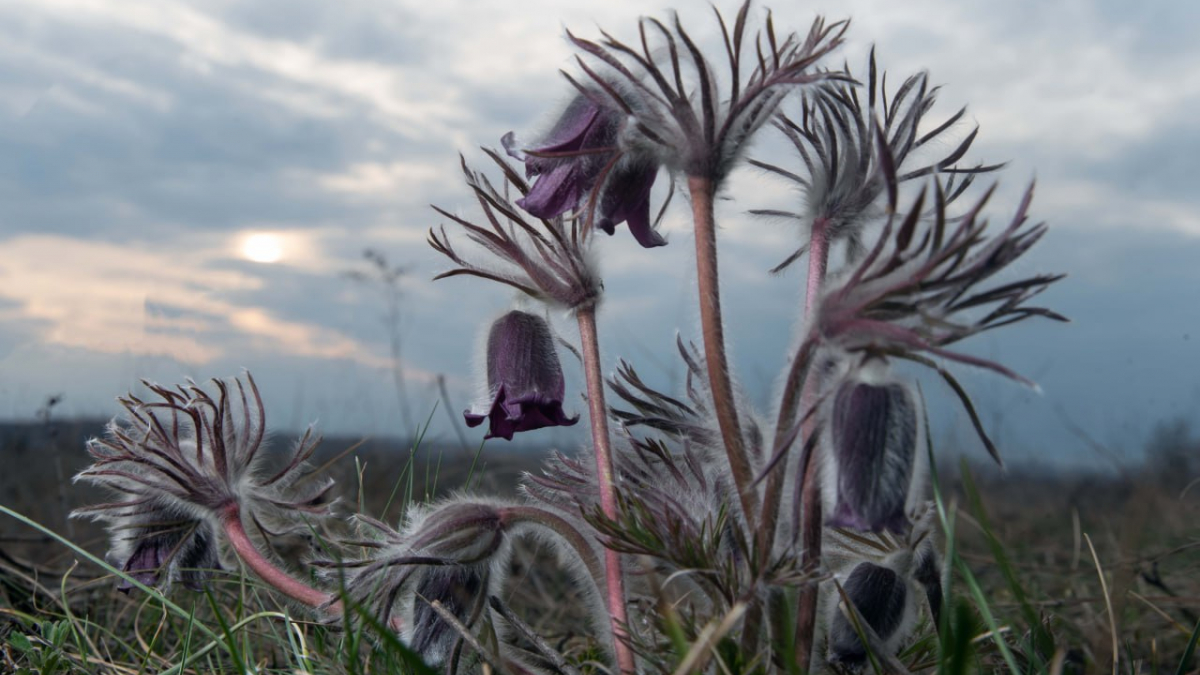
(686, 515)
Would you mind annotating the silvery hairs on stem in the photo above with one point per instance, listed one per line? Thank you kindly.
(680, 111)
(841, 178)
(677, 506)
(455, 553)
(180, 464)
(546, 259)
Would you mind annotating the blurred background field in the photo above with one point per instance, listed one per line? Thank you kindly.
(1027, 540)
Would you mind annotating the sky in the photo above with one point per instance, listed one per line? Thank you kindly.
(187, 189)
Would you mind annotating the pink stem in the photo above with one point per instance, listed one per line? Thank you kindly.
(810, 491)
(714, 341)
(231, 521)
(598, 412)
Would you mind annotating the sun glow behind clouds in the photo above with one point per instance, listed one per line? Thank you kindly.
(263, 247)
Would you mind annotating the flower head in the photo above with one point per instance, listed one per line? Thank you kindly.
(844, 175)
(455, 553)
(874, 438)
(679, 111)
(179, 465)
(525, 380)
(918, 291)
(547, 259)
(173, 548)
(577, 166)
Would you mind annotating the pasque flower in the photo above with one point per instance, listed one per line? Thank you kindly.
(579, 168)
(546, 259)
(175, 548)
(880, 596)
(843, 176)
(525, 379)
(873, 437)
(182, 465)
(679, 111)
(454, 553)
(918, 291)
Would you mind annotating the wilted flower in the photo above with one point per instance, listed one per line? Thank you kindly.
(525, 380)
(578, 166)
(881, 597)
(680, 114)
(873, 434)
(547, 259)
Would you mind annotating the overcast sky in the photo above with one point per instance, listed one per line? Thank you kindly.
(143, 142)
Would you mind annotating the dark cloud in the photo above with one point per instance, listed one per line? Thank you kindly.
(369, 30)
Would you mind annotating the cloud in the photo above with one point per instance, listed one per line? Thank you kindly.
(150, 300)
(144, 139)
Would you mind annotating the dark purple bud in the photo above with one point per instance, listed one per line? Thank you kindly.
(579, 153)
(460, 591)
(525, 380)
(880, 596)
(874, 433)
(187, 554)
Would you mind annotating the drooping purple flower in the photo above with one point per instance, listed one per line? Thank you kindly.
(874, 436)
(525, 380)
(580, 156)
(880, 595)
(455, 554)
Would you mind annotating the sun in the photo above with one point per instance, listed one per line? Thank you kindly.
(263, 247)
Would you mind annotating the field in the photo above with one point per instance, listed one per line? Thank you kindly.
(1072, 572)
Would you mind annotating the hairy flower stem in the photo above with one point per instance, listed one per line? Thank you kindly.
(810, 490)
(789, 406)
(231, 522)
(598, 412)
(714, 341)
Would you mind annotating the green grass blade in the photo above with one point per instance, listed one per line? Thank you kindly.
(1189, 652)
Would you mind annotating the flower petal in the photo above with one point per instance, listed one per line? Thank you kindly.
(874, 442)
(626, 198)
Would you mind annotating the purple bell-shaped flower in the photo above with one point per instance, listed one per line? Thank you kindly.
(525, 380)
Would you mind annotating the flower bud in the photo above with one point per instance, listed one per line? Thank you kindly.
(460, 590)
(462, 532)
(874, 436)
(164, 553)
(525, 380)
(880, 595)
